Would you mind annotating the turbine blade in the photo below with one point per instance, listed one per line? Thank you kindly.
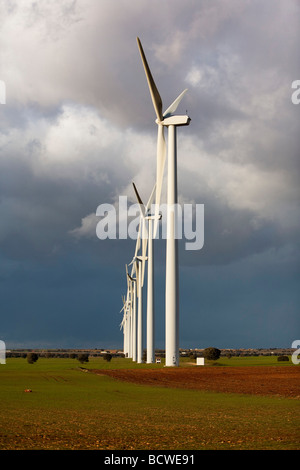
(132, 269)
(123, 299)
(137, 270)
(141, 204)
(172, 108)
(150, 199)
(144, 248)
(138, 241)
(144, 234)
(126, 274)
(156, 99)
(160, 166)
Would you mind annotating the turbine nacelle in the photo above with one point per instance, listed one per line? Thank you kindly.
(175, 121)
(154, 217)
(142, 258)
(131, 278)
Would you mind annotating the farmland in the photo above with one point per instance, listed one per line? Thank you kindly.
(126, 406)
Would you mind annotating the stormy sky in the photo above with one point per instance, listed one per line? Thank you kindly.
(78, 127)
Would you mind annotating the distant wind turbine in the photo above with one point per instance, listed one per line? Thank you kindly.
(138, 263)
(133, 315)
(147, 238)
(125, 326)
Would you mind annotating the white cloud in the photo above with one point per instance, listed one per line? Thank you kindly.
(87, 227)
(204, 77)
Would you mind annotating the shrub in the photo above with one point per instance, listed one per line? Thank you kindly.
(282, 358)
(212, 354)
(83, 358)
(107, 357)
(32, 358)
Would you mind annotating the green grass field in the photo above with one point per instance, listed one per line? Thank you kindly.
(72, 409)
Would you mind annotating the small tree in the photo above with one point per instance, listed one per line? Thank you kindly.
(283, 358)
(83, 358)
(107, 357)
(32, 358)
(212, 354)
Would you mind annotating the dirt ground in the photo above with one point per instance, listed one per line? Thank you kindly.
(273, 380)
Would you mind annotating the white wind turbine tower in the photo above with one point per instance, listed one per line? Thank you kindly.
(129, 302)
(128, 316)
(133, 315)
(172, 122)
(147, 238)
(124, 326)
(138, 263)
(133, 322)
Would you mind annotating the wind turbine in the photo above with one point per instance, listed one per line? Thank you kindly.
(133, 315)
(129, 313)
(147, 237)
(129, 316)
(124, 326)
(167, 119)
(137, 268)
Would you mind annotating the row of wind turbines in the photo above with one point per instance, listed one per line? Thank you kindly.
(132, 322)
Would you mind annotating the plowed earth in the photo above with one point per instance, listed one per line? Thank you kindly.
(276, 381)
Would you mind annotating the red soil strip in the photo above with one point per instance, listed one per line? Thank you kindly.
(274, 380)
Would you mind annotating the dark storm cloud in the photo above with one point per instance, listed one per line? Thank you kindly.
(78, 128)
